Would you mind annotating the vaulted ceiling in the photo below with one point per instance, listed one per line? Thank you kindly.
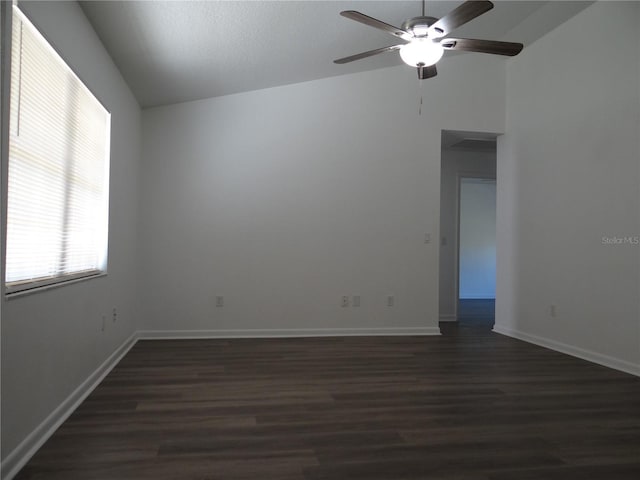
(175, 51)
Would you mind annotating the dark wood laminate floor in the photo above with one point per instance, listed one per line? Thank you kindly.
(469, 405)
(479, 311)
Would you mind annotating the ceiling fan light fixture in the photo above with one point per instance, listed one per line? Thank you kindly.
(420, 30)
(428, 37)
(421, 51)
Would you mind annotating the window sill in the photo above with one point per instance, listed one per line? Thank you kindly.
(42, 288)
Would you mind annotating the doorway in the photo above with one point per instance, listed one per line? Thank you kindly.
(477, 250)
(468, 162)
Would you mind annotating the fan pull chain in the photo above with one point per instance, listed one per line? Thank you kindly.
(421, 90)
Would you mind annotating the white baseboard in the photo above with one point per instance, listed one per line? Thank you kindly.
(588, 355)
(448, 317)
(280, 333)
(30, 445)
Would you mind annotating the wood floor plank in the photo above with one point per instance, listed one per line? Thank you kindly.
(469, 405)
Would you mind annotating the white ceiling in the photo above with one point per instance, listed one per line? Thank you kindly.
(175, 51)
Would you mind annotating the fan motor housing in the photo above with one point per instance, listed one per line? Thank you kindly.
(418, 26)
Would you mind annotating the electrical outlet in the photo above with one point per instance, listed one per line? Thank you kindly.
(553, 311)
(219, 301)
(427, 238)
(345, 301)
(114, 316)
(391, 301)
(356, 300)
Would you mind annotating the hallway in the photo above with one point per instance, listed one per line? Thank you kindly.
(475, 317)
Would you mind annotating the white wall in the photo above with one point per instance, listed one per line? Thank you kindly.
(52, 340)
(568, 175)
(285, 199)
(477, 238)
(456, 162)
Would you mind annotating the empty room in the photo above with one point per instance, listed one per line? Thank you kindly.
(243, 239)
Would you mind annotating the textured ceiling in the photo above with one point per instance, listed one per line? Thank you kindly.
(175, 51)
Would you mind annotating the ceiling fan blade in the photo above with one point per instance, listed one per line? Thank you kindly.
(372, 22)
(509, 49)
(370, 53)
(459, 16)
(427, 72)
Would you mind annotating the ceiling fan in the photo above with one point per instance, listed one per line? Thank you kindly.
(425, 37)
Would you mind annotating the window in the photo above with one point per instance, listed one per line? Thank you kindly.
(57, 202)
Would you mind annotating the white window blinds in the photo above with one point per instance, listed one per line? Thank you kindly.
(57, 206)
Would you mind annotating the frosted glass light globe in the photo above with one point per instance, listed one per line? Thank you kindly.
(421, 51)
